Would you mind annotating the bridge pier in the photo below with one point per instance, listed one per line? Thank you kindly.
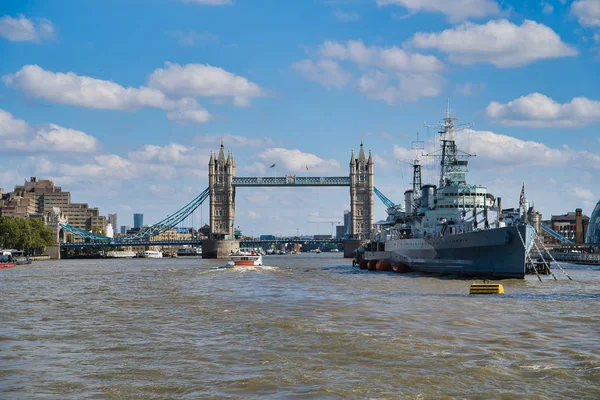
(53, 252)
(219, 248)
(350, 247)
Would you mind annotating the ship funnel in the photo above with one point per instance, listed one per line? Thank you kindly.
(428, 196)
(408, 202)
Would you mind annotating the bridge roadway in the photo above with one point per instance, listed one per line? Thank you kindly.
(243, 243)
(290, 181)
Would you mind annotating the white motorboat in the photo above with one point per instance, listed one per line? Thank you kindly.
(151, 254)
(245, 256)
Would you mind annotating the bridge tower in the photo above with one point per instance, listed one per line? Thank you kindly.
(222, 194)
(361, 194)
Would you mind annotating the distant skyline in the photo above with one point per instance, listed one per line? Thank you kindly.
(121, 103)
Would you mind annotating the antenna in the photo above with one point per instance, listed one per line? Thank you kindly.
(453, 164)
(418, 145)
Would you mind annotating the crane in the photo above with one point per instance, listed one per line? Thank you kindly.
(327, 222)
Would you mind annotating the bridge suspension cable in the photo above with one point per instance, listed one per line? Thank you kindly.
(556, 235)
(149, 231)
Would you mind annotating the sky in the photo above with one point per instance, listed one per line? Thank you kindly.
(121, 102)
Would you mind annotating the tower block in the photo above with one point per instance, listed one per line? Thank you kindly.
(222, 194)
(361, 194)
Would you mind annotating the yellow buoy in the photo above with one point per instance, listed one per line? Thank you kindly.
(486, 288)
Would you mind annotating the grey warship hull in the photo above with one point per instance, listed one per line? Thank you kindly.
(495, 253)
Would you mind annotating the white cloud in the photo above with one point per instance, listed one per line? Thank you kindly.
(470, 88)
(81, 91)
(410, 87)
(496, 149)
(173, 153)
(537, 110)
(405, 155)
(547, 8)
(587, 12)
(189, 38)
(585, 194)
(380, 161)
(17, 134)
(202, 80)
(327, 72)
(386, 73)
(195, 115)
(234, 140)
(21, 29)
(173, 89)
(101, 167)
(456, 10)
(500, 42)
(296, 161)
(56, 138)
(253, 214)
(10, 126)
(209, 2)
(389, 58)
(346, 16)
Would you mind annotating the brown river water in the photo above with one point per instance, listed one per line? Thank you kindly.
(311, 326)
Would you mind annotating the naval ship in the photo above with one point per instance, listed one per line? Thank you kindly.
(452, 228)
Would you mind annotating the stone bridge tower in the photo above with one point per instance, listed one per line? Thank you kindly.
(222, 194)
(361, 194)
(53, 219)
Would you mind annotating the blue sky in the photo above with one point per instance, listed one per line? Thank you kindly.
(120, 102)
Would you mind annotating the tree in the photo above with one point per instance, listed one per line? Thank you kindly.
(29, 235)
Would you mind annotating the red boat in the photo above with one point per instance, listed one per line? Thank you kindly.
(7, 265)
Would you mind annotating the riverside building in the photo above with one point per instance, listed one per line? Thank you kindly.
(38, 197)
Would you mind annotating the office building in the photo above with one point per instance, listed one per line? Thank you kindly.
(593, 230)
(138, 220)
(124, 229)
(112, 220)
(36, 198)
(572, 225)
(347, 222)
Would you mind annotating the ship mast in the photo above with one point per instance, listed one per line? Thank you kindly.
(453, 162)
(417, 146)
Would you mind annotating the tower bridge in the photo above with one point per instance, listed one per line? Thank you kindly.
(221, 192)
(223, 183)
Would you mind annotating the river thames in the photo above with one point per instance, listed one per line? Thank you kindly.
(309, 326)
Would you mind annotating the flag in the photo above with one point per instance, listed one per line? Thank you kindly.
(272, 166)
(307, 167)
(522, 196)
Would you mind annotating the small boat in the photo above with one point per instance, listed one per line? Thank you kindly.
(335, 251)
(120, 254)
(6, 261)
(17, 256)
(151, 254)
(189, 251)
(245, 256)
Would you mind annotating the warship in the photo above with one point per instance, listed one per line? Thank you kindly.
(451, 228)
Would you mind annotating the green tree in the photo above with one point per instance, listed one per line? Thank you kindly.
(29, 235)
(9, 232)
